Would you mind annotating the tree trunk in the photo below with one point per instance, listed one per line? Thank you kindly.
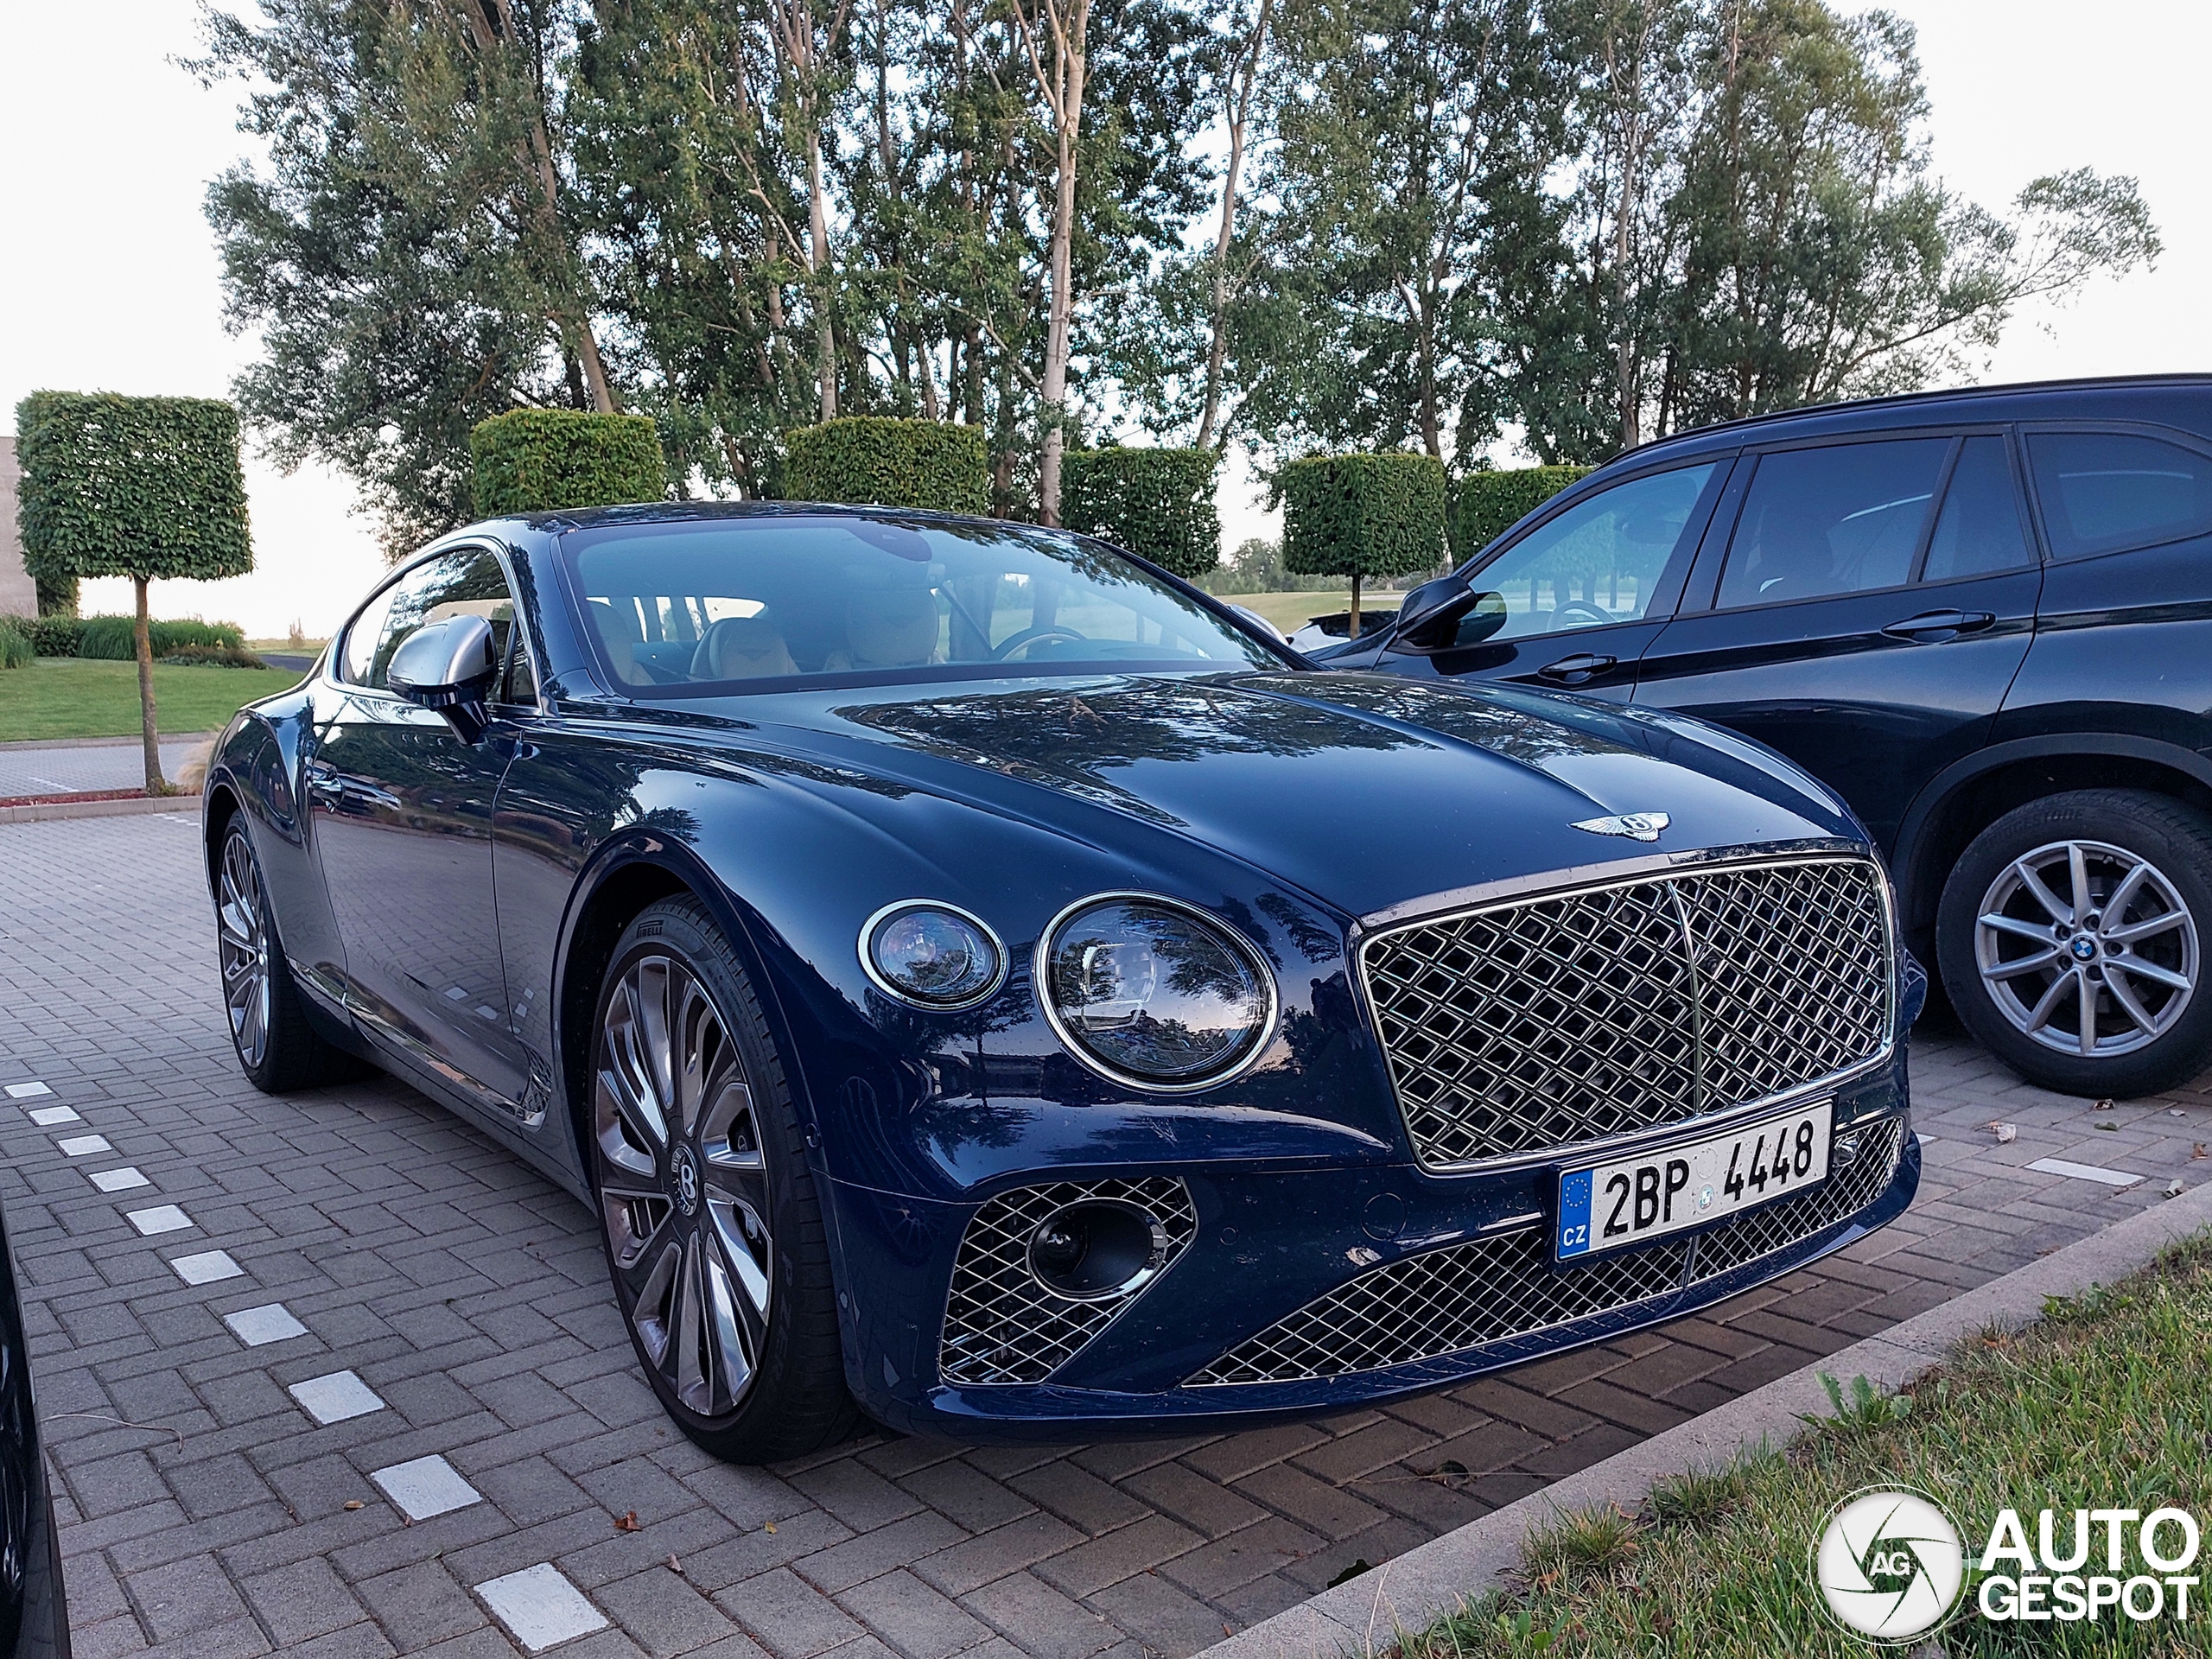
(1354, 634)
(149, 728)
(817, 230)
(1247, 77)
(1063, 87)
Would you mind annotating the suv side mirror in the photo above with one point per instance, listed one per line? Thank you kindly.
(1447, 612)
(447, 666)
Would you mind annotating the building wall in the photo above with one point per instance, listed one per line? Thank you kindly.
(18, 594)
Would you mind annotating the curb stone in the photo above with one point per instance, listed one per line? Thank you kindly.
(1413, 1590)
(131, 742)
(40, 812)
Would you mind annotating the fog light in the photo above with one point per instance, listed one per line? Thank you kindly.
(1094, 1251)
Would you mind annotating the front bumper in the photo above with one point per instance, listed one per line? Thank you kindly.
(1292, 1284)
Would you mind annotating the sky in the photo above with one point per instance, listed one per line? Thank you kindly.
(110, 280)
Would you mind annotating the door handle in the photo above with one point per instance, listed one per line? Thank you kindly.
(1931, 625)
(1573, 670)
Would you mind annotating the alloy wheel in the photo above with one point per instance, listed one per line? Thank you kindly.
(2086, 948)
(683, 1184)
(243, 943)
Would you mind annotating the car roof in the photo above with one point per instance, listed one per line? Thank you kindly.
(2183, 400)
(667, 512)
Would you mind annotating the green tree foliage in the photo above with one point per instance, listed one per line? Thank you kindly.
(892, 463)
(1485, 504)
(144, 487)
(1157, 502)
(1363, 516)
(541, 459)
(1256, 566)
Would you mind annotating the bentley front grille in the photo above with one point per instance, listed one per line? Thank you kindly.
(1550, 1022)
(1461, 1297)
(1003, 1323)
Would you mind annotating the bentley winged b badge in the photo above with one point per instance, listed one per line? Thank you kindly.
(1637, 826)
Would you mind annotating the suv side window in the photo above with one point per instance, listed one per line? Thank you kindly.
(2103, 491)
(1844, 519)
(1598, 563)
(1978, 532)
(467, 582)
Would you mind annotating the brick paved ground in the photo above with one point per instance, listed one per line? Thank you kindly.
(205, 1511)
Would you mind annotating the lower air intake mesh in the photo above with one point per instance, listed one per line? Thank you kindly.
(1001, 1324)
(1463, 1296)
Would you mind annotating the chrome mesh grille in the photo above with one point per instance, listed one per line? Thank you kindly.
(1777, 1226)
(1570, 1018)
(1465, 1295)
(1001, 1325)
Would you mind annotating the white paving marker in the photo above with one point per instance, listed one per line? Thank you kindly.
(83, 1145)
(2084, 1172)
(540, 1608)
(117, 1180)
(271, 1322)
(426, 1487)
(206, 1268)
(334, 1398)
(162, 1218)
(48, 1116)
(26, 1091)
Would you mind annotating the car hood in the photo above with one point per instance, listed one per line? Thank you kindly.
(1367, 790)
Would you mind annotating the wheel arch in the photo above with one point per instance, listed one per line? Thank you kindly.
(623, 879)
(1965, 798)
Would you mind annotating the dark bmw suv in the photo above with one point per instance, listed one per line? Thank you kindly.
(1984, 618)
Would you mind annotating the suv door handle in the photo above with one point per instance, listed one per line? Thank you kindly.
(1931, 625)
(1573, 670)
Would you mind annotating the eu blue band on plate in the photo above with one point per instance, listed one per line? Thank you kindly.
(1574, 1213)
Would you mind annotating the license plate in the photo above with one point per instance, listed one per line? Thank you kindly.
(1648, 1195)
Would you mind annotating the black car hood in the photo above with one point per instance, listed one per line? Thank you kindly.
(1366, 791)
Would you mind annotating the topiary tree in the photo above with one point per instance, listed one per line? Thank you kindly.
(1484, 506)
(1361, 516)
(544, 460)
(874, 461)
(144, 487)
(1157, 502)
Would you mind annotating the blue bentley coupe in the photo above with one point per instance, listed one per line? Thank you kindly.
(980, 981)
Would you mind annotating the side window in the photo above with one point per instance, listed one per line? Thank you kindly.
(2105, 490)
(1599, 562)
(465, 582)
(1841, 519)
(1978, 531)
(521, 683)
(359, 653)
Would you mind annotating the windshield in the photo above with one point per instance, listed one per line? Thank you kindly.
(739, 602)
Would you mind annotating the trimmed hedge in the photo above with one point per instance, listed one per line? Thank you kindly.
(146, 487)
(114, 638)
(1157, 502)
(873, 460)
(544, 459)
(1363, 516)
(213, 656)
(1486, 504)
(54, 635)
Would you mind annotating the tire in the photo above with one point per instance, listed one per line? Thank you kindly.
(278, 1049)
(2017, 981)
(714, 1231)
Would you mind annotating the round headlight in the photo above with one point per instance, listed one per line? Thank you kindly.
(931, 955)
(1150, 993)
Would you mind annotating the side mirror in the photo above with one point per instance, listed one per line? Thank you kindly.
(447, 666)
(1448, 611)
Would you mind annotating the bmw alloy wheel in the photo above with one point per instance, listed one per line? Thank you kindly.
(683, 1184)
(242, 942)
(2086, 948)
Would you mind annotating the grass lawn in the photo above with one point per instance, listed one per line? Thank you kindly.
(2106, 1404)
(63, 698)
(1290, 612)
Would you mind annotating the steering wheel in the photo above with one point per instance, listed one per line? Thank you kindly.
(1581, 613)
(1030, 636)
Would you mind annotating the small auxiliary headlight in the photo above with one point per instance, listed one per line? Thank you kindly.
(932, 955)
